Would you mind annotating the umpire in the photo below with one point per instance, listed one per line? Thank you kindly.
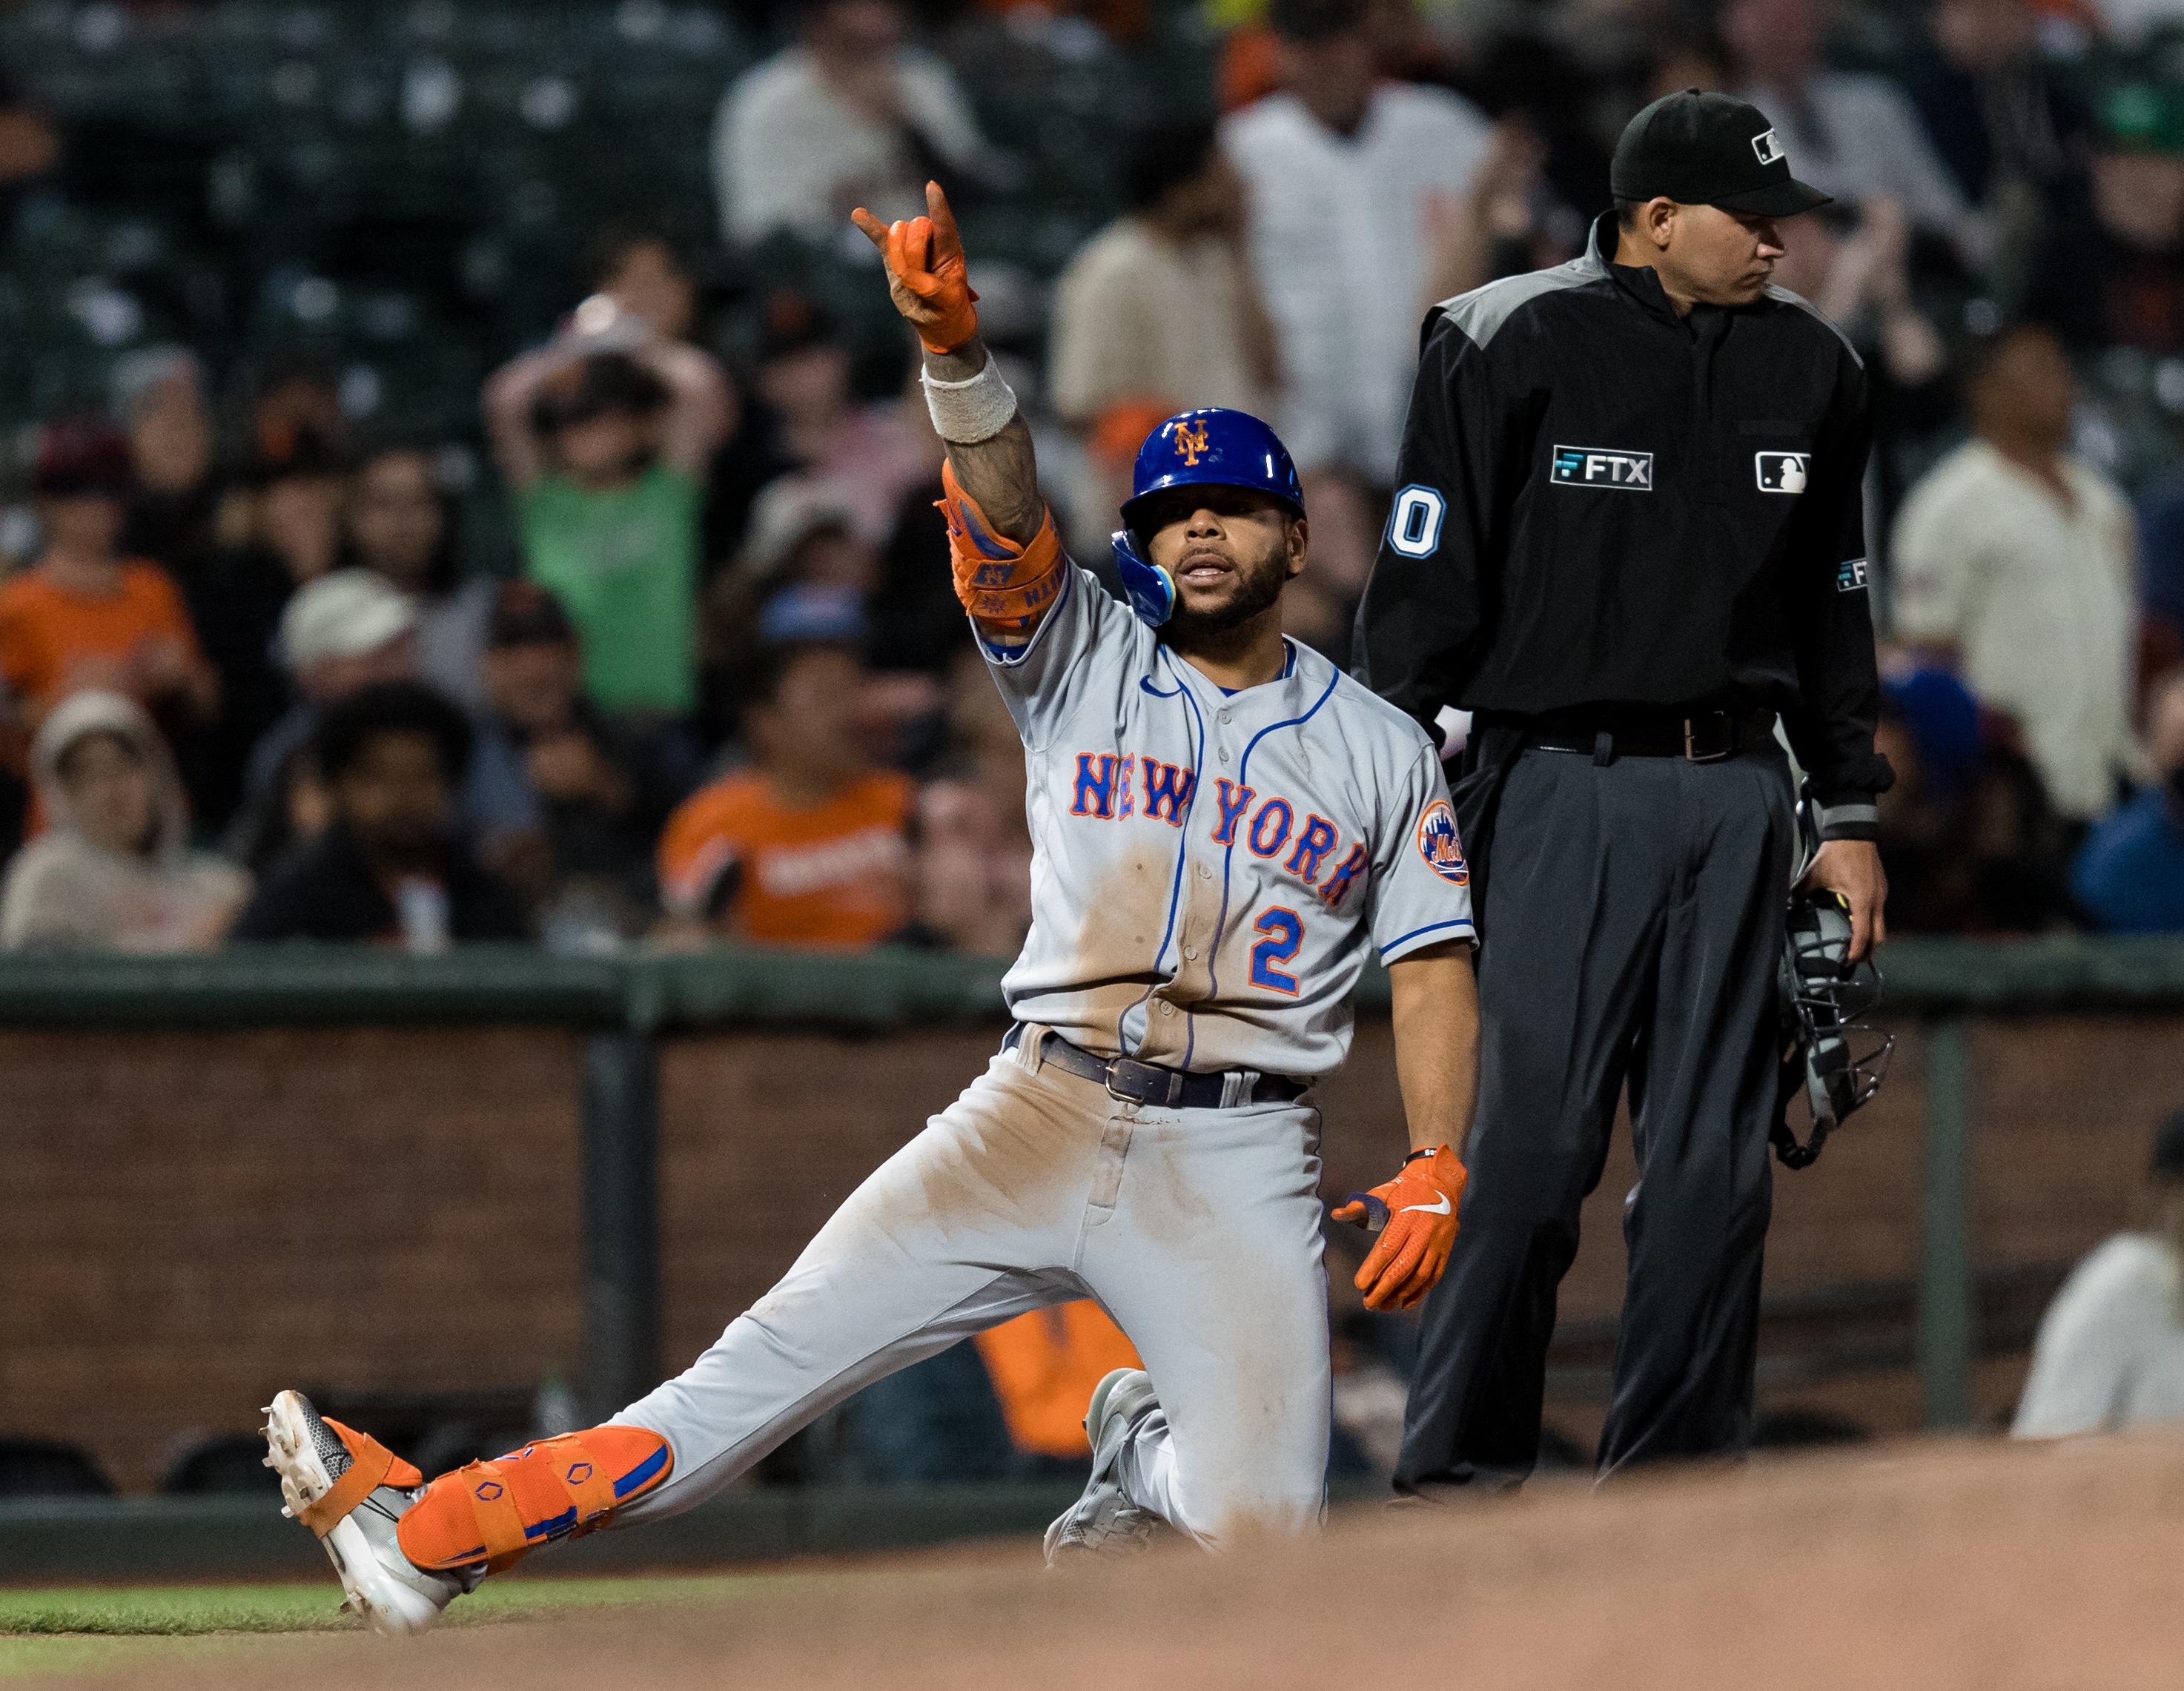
(1627, 538)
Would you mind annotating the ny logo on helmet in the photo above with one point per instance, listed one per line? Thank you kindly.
(1190, 441)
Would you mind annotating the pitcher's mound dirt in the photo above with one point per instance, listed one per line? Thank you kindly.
(1950, 1567)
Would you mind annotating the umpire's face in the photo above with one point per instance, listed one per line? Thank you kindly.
(1713, 256)
(1229, 550)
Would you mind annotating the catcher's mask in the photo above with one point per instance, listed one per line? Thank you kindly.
(1837, 1060)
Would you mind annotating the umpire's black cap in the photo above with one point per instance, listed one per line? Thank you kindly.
(1709, 149)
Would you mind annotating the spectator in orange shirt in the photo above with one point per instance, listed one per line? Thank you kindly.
(84, 616)
(809, 844)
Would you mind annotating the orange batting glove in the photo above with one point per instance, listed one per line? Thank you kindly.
(925, 273)
(1415, 1215)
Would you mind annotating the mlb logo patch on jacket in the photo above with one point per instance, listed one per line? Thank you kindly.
(1783, 472)
(1601, 466)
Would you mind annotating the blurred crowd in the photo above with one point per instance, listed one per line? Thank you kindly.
(656, 639)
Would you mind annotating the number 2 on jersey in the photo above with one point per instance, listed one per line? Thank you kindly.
(1284, 935)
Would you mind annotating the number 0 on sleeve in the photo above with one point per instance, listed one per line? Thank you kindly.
(1414, 525)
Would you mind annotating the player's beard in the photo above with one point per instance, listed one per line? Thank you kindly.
(1258, 586)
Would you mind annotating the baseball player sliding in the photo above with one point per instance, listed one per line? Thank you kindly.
(1224, 823)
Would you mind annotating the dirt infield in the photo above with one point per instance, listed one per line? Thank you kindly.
(1971, 1567)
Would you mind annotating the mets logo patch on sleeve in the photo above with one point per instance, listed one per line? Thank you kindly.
(1439, 845)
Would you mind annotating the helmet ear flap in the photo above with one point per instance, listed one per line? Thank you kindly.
(1150, 589)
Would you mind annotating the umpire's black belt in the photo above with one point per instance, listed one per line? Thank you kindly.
(1702, 733)
(1153, 1084)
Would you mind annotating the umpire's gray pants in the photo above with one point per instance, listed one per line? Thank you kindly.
(1632, 928)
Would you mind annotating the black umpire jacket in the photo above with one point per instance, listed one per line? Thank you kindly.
(1602, 502)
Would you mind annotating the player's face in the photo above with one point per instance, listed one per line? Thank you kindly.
(1229, 550)
(1724, 257)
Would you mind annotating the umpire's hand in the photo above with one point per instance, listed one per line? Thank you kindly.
(1852, 868)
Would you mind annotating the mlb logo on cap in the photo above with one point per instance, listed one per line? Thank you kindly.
(1783, 472)
(1709, 149)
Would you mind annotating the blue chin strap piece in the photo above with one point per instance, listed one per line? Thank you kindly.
(1150, 589)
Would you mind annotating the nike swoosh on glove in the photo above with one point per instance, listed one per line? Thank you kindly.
(1419, 1209)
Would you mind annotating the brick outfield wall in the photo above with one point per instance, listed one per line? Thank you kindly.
(193, 1221)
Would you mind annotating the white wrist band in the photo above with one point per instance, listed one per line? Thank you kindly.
(968, 412)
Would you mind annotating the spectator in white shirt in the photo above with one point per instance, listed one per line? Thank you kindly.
(1160, 307)
(2110, 1350)
(851, 114)
(1853, 136)
(113, 869)
(1346, 175)
(1158, 312)
(2017, 557)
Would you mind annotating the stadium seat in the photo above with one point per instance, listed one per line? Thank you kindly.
(36, 1467)
(234, 1466)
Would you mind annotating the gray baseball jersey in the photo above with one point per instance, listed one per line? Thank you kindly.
(1207, 866)
(1207, 870)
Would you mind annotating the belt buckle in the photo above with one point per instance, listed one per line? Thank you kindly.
(1143, 1083)
(1692, 754)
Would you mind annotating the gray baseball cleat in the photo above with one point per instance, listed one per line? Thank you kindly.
(1103, 1518)
(313, 1457)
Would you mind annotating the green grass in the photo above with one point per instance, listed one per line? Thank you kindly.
(67, 1630)
(192, 1611)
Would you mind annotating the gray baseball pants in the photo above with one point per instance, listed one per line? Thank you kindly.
(1197, 1229)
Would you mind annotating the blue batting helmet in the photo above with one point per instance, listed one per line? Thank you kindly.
(1210, 447)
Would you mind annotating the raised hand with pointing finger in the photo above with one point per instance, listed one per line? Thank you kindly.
(927, 276)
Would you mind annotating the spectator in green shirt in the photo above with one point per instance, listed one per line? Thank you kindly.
(604, 436)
